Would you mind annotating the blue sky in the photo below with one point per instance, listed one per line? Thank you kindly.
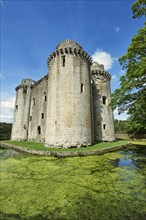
(30, 31)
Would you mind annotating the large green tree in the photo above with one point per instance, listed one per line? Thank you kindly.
(131, 95)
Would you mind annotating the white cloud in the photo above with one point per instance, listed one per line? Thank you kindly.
(102, 57)
(122, 116)
(116, 30)
(7, 109)
(114, 76)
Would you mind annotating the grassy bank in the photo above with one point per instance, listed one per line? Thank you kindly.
(40, 146)
(142, 143)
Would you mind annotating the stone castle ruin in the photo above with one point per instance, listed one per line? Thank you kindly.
(68, 107)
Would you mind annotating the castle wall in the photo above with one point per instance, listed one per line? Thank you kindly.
(65, 108)
(21, 112)
(69, 121)
(103, 115)
(37, 116)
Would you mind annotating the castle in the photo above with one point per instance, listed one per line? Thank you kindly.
(68, 107)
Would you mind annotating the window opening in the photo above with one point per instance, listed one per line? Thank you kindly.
(24, 90)
(45, 98)
(39, 129)
(42, 115)
(63, 61)
(34, 101)
(16, 107)
(104, 126)
(82, 87)
(30, 118)
(55, 122)
(104, 100)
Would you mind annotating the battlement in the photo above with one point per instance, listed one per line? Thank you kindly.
(69, 47)
(25, 83)
(98, 70)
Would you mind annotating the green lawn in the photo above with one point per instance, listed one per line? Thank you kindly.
(40, 146)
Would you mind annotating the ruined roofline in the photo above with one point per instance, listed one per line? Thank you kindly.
(40, 80)
(69, 47)
(98, 69)
(24, 84)
(101, 73)
(35, 83)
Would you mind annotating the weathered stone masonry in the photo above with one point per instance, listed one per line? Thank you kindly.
(69, 107)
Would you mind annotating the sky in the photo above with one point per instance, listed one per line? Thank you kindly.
(31, 30)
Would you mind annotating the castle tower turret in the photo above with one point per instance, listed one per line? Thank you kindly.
(21, 113)
(69, 116)
(103, 115)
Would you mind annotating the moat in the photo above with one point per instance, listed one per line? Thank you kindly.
(107, 187)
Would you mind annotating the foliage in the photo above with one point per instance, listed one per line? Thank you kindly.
(121, 126)
(131, 96)
(5, 128)
(139, 8)
(131, 126)
(34, 188)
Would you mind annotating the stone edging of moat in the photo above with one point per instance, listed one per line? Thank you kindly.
(65, 154)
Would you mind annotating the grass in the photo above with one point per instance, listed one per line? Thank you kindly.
(143, 143)
(40, 146)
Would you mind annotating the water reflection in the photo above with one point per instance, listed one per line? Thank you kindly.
(8, 153)
(131, 158)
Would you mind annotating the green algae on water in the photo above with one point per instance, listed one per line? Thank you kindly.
(93, 187)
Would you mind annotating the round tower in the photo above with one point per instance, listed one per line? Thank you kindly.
(69, 117)
(102, 112)
(21, 112)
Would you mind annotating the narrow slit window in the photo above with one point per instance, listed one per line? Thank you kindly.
(104, 98)
(42, 115)
(34, 101)
(45, 98)
(30, 118)
(104, 126)
(82, 87)
(16, 107)
(63, 61)
(39, 129)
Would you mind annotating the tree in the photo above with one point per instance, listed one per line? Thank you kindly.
(131, 96)
(139, 8)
